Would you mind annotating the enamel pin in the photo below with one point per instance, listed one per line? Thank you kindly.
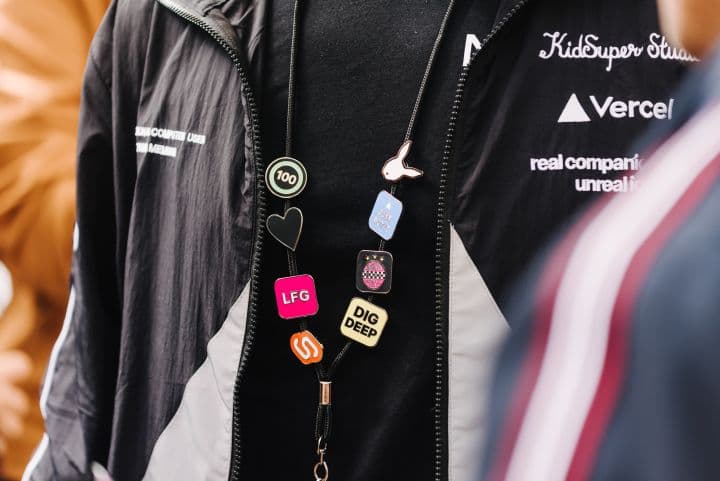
(364, 322)
(286, 228)
(374, 272)
(306, 347)
(396, 168)
(286, 177)
(385, 215)
(296, 297)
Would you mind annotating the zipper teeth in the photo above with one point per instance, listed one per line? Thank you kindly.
(442, 247)
(236, 448)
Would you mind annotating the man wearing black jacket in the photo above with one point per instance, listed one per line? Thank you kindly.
(180, 359)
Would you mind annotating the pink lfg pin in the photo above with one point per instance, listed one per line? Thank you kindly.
(296, 296)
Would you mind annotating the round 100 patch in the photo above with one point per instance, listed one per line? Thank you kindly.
(286, 177)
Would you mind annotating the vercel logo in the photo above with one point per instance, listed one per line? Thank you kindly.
(610, 107)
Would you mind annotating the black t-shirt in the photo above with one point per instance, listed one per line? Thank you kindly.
(359, 68)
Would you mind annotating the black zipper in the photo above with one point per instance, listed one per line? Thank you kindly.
(221, 39)
(442, 246)
(442, 251)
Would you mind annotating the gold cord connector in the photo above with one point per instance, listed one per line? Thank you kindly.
(325, 396)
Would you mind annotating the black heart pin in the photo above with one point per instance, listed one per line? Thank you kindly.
(286, 229)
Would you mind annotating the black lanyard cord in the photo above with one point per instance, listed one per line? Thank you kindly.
(428, 70)
(325, 376)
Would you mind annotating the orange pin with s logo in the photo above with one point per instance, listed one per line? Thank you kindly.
(306, 347)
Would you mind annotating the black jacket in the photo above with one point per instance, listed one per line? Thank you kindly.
(172, 204)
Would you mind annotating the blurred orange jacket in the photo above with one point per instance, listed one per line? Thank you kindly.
(43, 47)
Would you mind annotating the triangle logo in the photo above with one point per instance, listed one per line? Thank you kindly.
(573, 112)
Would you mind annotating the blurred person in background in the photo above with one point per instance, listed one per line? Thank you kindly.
(612, 372)
(43, 49)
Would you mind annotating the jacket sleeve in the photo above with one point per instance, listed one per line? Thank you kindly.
(78, 393)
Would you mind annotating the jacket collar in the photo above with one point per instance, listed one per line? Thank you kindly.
(200, 7)
(209, 13)
(203, 7)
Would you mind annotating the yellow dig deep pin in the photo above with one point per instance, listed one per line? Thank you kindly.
(364, 322)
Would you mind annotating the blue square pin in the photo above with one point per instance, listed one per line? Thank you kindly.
(385, 215)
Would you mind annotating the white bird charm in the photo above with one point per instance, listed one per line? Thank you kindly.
(396, 168)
